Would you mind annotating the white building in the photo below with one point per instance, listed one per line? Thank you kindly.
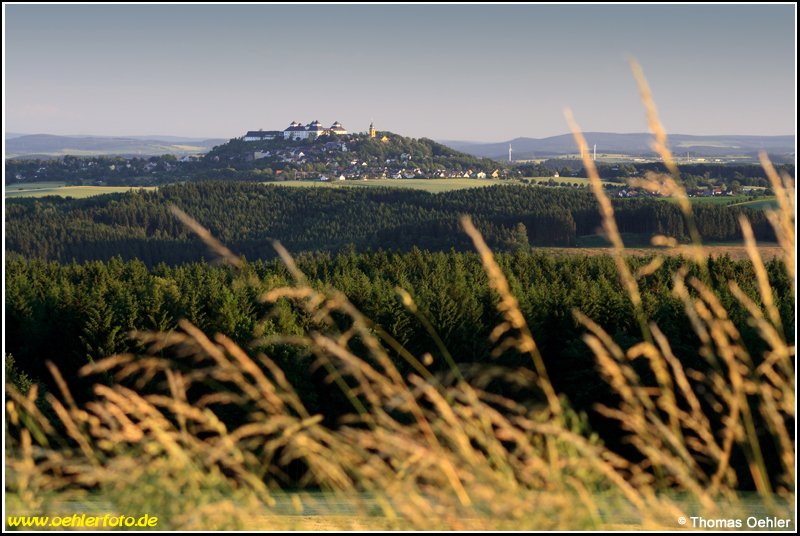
(338, 129)
(261, 135)
(297, 131)
(313, 130)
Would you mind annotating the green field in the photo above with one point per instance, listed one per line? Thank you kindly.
(739, 201)
(28, 188)
(736, 200)
(763, 204)
(429, 185)
(719, 200)
(42, 189)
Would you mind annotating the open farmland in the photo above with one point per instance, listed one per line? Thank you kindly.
(42, 189)
(764, 204)
(428, 185)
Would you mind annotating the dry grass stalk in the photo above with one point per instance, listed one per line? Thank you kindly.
(782, 220)
(509, 307)
(764, 288)
(609, 224)
(205, 235)
(732, 378)
(660, 145)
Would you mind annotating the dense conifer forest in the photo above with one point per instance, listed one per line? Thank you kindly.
(247, 217)
(74, 313)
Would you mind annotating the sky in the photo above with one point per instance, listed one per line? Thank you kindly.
(447, 72)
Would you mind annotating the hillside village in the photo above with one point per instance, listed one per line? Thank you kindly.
(314, 152)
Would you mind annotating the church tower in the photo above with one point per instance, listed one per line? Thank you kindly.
(371, 130)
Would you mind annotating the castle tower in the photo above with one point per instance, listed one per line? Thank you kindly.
(371, 130)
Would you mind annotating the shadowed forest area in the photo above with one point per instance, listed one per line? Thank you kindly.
(247, 217)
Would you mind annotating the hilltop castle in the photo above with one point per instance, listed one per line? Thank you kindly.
(296, 131)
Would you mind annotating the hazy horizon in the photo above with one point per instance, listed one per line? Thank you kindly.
(479, 73)
(477, 142)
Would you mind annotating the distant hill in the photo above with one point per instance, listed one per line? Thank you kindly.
(635, 144)
(353, 156)
(42, 145)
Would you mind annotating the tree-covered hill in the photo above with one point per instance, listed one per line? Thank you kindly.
(353, 155)
(247, 217)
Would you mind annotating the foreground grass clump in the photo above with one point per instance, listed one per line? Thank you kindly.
(206, 434)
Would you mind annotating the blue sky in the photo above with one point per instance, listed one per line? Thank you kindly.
(468, 72)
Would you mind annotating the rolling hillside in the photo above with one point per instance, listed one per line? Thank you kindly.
(42, 145)
(637, 144)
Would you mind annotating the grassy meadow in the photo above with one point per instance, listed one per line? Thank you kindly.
(427, 185)
(42, 189)
(769, 203)
(738, 200)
